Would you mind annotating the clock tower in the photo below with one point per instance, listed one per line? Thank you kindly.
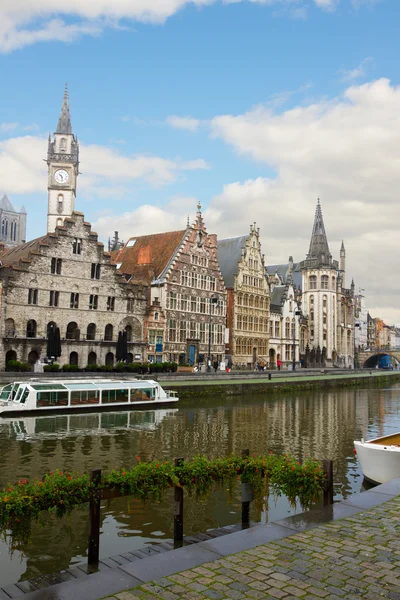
(63, 169)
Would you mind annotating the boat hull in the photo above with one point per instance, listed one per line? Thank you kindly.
(379, 463)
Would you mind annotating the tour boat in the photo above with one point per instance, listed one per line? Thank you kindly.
(73, 395)
(380, 458)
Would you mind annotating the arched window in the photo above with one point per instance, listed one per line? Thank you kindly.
(250, 300)
(63, 145)
(59, 222)
(13, 231)
(324, 301)
(72, 331)
(311, 299)
(108, 333)
(333, 283)
(11, 355)
(291, 304)
(60, 202)
(73, 358)
(33, 357)
(31, 328)
(128, 330)
(129, 357)
(3, 228)
(256, 302)
(109, 359)
(156, 316)
(324, 282)
(92, 358)
(287, 327)
(10, 328)
(313, 282)
(91, 332)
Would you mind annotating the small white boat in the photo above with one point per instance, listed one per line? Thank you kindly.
(379, 458)
(72, 395)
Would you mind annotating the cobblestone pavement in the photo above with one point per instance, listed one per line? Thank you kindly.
(356, 557)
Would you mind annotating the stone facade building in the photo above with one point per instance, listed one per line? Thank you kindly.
(243, 269)
(327, 303)
(65, 278)
(182, 271)
(12, 223)
(288, 333)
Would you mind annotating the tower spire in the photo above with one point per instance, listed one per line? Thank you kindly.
(64, 121)
(319, 248)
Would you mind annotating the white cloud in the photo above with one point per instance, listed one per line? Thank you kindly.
(104, 170)
(7, 127)
(24, 22)
(357, 72)
(187, 123)
(344, 150)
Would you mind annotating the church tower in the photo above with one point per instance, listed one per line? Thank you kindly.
(319, 280)
(63, 169)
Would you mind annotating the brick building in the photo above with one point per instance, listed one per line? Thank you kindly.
(187, 292)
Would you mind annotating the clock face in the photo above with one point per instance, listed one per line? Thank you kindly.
(61, 176)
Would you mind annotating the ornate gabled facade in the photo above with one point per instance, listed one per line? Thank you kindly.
(63, 169)
(243, 269)
(181, 268)
(66, 279)
(327, 303)
(288, 334)
(12, 223)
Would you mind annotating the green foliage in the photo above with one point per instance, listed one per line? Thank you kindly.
(53, 367)
(91, 368)
(18, 366)
(59, 492)
(68, 368)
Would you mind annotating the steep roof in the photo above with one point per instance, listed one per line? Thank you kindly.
(319, 248)
(283, 272)
(146, 257)
(12, 257)
(229, 255)
(64, 121)
(5, 204)
(278, 296)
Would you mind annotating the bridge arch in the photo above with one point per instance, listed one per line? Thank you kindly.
(370, 360)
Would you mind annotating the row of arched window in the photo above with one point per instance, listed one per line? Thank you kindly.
(92, 359)
(73, 332)
(254, 301)
(323, 282)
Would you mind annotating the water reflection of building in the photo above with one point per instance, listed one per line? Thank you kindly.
(320, 424)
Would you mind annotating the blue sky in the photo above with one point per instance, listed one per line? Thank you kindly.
(254, 108)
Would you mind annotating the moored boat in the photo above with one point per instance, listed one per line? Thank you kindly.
(30, 397)
(379, 458)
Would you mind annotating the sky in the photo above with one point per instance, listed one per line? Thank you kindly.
(254, 108)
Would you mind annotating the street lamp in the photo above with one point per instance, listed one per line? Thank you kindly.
(355, 358)
(214, 299)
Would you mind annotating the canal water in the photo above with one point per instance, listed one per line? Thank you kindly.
(321, 424)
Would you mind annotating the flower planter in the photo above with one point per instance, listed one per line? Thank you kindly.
(185, 370)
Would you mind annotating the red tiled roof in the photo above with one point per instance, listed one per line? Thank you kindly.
(147, 257)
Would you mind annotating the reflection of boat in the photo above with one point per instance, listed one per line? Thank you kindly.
(86, 423)
(379, 458)
(74, 395)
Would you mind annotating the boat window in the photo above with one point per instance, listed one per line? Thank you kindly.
(53, 398)
(48, 386)
(111, 396)
(14, 391)
(143, 395)
(19, 393)
(25, 395)
(5, 391)
(84, 397)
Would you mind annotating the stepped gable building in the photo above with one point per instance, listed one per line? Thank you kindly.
(187, 292)
(327, 303)
(12, 224)
(288, 326)
(243, 269)
(66, 279)
(63, 169)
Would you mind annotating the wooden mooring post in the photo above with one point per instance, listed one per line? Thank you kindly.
(328, 482)
(94, 518)
(178, 511)
(247, 497)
